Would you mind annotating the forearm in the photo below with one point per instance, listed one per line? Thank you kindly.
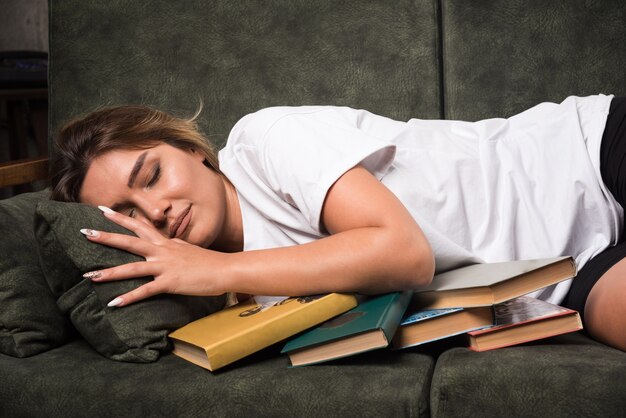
(364, 260)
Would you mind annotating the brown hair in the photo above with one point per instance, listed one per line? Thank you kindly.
(83, 139)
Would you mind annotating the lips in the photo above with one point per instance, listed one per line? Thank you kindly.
(180, 225)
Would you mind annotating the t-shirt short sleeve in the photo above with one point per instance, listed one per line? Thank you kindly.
(300, 154)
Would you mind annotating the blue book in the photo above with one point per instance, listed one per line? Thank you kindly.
(420, 327)
(369, 326)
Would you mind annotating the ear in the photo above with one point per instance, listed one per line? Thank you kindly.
(200, 156)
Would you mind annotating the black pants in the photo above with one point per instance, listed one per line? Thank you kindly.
(613, 170)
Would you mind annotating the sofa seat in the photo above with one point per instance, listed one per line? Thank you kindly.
(565, 376)
(74, 381)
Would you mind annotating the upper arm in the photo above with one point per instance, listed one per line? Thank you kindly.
(359, 200)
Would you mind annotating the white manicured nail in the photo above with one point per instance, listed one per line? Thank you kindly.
(106, 210)
(89, 232)
(114, 302)
(93, 275)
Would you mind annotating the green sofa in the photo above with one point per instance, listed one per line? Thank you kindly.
(404, 59)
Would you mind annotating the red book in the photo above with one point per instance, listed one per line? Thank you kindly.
(524, 319)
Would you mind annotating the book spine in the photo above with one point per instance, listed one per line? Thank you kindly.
(266, 334)
(393, 316)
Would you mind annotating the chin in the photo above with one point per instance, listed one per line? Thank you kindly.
(190, 240)
(195, 240)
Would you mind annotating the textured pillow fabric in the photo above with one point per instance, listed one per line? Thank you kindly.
(135, 333)
(30, 321)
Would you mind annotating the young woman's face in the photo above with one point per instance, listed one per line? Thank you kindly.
(164, 186)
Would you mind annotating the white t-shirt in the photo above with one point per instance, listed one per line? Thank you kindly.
(494, 190)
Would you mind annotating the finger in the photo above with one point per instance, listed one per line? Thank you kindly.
(141, 229)
(142, 292)
(122, 272)
(124, 242)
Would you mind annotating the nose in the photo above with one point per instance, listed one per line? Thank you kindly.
(157, 216)
(155, 211)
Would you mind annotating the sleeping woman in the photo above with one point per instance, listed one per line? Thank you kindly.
(316, 199)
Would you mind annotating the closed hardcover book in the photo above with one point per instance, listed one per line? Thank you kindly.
(369, 326)
(490, 283)
(524, 319)
(422, 327)
(223, 337)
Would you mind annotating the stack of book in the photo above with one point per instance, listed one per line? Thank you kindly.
(486, 301)
(483, 301)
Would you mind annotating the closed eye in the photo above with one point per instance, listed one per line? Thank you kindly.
(156, 174)
(154, 177)
(127, 210)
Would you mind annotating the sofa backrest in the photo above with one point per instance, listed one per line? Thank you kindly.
(503, 56)
(400, 58)
(238, 57)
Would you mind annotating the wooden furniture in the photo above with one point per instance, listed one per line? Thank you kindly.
(27, 109)
(23, 171)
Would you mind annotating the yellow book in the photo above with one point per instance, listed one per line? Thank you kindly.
(221, 338)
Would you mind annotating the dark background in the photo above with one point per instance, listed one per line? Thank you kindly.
(23, 27)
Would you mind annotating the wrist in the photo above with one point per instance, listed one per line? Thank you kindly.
(223, 273)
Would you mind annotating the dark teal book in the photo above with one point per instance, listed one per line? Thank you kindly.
(369, 326)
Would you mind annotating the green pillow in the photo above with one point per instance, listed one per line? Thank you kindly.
(134, 333)
(30, 322)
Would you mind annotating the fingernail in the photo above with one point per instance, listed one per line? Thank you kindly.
(90, 232)
(93, 275)
(106, 210)
(115, 302)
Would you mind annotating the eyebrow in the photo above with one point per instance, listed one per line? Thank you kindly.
(136, 168)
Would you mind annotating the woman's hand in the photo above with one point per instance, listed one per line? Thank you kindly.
(177, 266)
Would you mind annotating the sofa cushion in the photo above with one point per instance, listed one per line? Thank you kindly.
(73, 381)
(30, 321)
(135, 333)
(565, 376)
